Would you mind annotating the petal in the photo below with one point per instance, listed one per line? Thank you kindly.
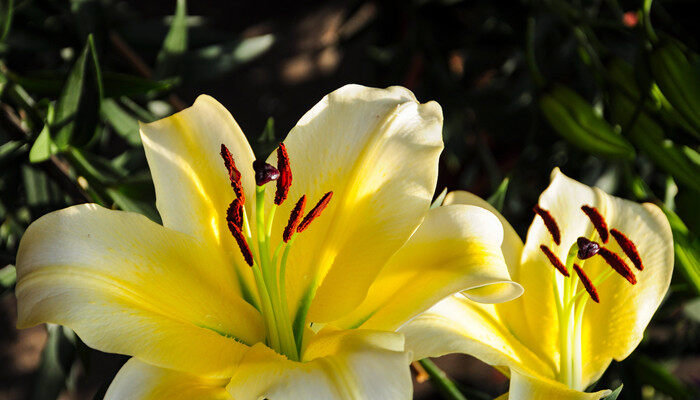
(137, 380)
(127, 285)
(191, 182)
(377, 150)
(352, 364)
(527, 387)
(459, 325)
(456, 248)
(614, 328)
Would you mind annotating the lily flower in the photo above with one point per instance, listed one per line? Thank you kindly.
(594, 268)
(277, 279)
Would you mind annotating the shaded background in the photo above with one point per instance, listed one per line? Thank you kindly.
(487, 63)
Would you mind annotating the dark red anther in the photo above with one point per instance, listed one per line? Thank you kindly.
(242, 244)
(618, 264)
(294, 219)
(233, 174)
(549, 222)
(628, 247)
(598, 221)
(554, 260)
(234, 214)
(586, 248)
(285, 179)
(587, 283)
(315, 212)
(264, 172)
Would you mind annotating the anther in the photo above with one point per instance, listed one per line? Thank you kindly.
(628, 247)
(285, 170)
(233, 174)
(264, 172)
(598, 221)
(294, 219)
(586, 248)
(587, 284)
(234, 214)
(315, 212)
(618, 264)
(549, 222)
(242, 244)
(554, 260)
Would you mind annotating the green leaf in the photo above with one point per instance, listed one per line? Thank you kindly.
(56, 362)
(6, 10)
(686, 248)
(169, 61)
(499, 196)
(12, 150)
(77, 110)
(215, 60)
(43, 146)
(121, 121)
(8, 277)
(654, 374)
(49, 83)
(615, 393)
(439, 200)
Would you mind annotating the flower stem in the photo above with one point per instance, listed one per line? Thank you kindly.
(444, 384)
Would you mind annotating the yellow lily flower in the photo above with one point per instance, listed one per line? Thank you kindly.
(240, 294)
(562, 333)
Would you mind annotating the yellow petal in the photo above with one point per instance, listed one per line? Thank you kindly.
(137, 380)
(351, 364)
(127, 285)
(192, 185)
(459, 325)
(527, 387)
(377, 150)
(456, 248)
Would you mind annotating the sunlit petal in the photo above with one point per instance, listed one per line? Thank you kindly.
(528, 387)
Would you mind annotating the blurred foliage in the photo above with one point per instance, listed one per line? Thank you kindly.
(608, 90)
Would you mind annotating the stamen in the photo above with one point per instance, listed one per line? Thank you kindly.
(587, 284)
(294, 219)
(554, 260)
(628, 247)
(549, 222)
(315, 212)
(586, 248)
(285, 179)
(242, 244)
(233, 174)
(264, 172)
(598, 221)
(618, 264)
(234, 214)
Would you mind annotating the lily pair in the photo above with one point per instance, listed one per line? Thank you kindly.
(244, 292)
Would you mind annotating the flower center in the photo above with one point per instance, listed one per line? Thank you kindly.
(269, 267)
(570, 300)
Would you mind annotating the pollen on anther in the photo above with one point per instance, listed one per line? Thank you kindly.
(233, 174)
(618, 264)
(315, 212)
(285, 170)
(242, 243)
(294, 218)
(598, 221)
(628, 247)
(587, 284)
(549, 222)
(554, 260)
(234, 214)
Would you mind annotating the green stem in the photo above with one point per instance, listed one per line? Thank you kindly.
(444, 384)
(647, 21)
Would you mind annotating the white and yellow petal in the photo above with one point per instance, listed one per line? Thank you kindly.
(351, 364)
(456, 248)
(127, 285)
(137, 380)
(528, 387)
(377, 150)
(192, 185)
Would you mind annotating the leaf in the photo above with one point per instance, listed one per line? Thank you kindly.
(615, 393)
(6, 11)
(499, 196)
(8, 277)
(56, 361)
(169, 61)
(686, 248)
(11, 150)
(655, 374)
(439, 200)
(215, 60)
(121, 121)
(43, 146)
(77, 110)
(48, 83)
